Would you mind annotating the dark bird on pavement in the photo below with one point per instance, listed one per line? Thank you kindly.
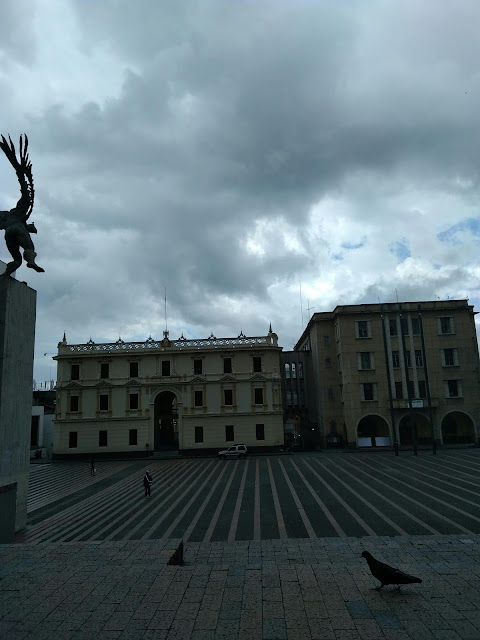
(386, 574)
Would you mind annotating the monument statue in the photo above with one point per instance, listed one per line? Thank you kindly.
(17, 231)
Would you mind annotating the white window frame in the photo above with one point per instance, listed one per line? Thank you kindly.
(455, 357)
(396, 357)
(371, 360)
(459, 388)
(357, 329)
(362, 391)
(452, 326)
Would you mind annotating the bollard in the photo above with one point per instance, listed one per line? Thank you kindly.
(396, 447)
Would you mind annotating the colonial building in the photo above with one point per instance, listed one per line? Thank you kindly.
(193, 395)
(404, 372)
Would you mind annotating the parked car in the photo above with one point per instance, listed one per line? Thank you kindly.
(235, 451)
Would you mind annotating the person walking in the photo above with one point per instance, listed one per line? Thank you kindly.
(93, 471)
(147, 483)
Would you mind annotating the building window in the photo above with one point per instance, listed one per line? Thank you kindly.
(72, 439)
(416, 326)
(287, 370)
(295, 399)
(227, 365)
(422, 389)
(411, 389)
(104, 370)
(34, 427)
(294, 370)
(399, 390)
(133, 369)
(395, 359)
(393, 326)
(198, 434)
(454, 389)
(132, 437)
(104, 402)
(103, 438)
(198, 367)
(229, 433)
(75, 372)
(404, 325)
(258, 395)
(369, 391)
(133, 401)
(199, 400)
(260, 431)
(165, 367)
(74, 402)
(365, 360)
(300, 371)
(330, 393)
(228, 397)
(289, 398)
(445, 325)
(257, 364)
(362, 329)
(328, 363)
(326, 341)
(449, 357)
(418, 358)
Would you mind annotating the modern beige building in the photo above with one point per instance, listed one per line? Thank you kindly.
(134, 398)
(405, 372)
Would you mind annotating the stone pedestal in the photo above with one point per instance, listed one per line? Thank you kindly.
(17, 337)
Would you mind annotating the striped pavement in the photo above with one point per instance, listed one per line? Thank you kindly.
(278, 497)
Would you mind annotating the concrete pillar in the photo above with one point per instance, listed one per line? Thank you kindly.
(17, 338)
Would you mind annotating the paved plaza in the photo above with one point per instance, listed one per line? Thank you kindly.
(272, 550)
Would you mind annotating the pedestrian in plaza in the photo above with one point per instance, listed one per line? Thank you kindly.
(147, 483)
(93, 471)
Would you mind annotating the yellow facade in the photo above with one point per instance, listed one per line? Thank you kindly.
(161, 395)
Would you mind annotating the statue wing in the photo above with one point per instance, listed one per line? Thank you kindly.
(23, 169)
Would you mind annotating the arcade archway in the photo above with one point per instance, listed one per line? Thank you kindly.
(373, 431)
(165, 432)
(458, 428)
(414, 428)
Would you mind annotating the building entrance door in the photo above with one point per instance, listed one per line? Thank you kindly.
(165, 422)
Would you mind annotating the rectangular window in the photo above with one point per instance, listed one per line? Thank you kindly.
(396, 359)
(74, 403)
(104, 370)
(453, 389)
(198, 434)
(326, 341)
(228, 397)
(227, 365)
(330, 393)
(416, 326)
(418, 358)
(365, 360)
(229, 435)
(445, 325)
(72, 439)
(257, 364)
(75, 372)
(165, 367)
(287, 370)
(104, 402)
(300, 370)
(393, 326)
(368, 391)
(198, 367)
(449, 357)
(260, 431)
(422, 389)
(411, 389)
(133, 369)
(199, 400)
(34, 431)
(132, 437)
(133, 401)
(294, 370)
(258, 396)
(399, 390)
(362, 329)
(103, 438)
(404, 325)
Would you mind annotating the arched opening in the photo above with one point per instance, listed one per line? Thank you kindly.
(373, 431)
(415, 428)
(165, 434)
(458, 428)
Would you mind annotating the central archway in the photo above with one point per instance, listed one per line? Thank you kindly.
(165, 432)
(414, 428)
(373, 431)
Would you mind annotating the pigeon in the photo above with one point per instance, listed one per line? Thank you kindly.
(386, 574)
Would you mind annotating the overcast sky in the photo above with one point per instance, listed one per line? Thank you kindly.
(233, 150)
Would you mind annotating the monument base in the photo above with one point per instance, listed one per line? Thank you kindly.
(17, 341)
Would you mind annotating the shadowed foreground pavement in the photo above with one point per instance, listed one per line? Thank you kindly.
(267, 589)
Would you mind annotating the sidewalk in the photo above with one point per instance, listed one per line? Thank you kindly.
(290, 589)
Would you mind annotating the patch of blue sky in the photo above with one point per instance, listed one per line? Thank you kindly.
(337, 257)
(471, 225)
(400, 249)
(351, 245)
